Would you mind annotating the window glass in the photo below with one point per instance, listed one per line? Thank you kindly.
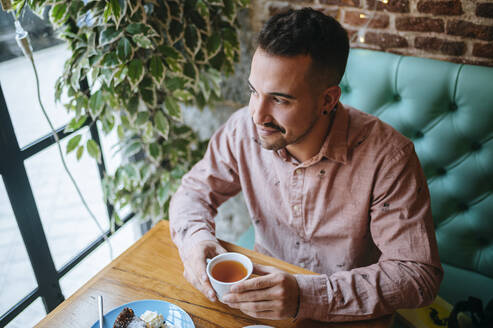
(30, 316)
(99, 258)
(17, 76)
(16, 275)
(68, 226)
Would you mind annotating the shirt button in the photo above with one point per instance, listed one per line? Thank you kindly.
(297, 172)
(303, 265)
(296, 209)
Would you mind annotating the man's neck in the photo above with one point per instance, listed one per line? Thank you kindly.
(311, 144)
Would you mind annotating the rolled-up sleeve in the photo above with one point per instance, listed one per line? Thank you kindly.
(203, 189)
(408, 272)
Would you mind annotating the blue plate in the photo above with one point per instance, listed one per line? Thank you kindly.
(172, 313)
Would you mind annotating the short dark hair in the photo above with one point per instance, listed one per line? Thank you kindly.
(308, 32)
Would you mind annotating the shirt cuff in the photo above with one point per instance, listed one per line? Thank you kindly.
(314, 299)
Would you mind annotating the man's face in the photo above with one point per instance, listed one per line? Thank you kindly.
(284, 105)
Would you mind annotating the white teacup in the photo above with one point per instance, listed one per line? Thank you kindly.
(221, 287)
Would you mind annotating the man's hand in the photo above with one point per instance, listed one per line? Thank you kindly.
(195, 266)
(274, 295)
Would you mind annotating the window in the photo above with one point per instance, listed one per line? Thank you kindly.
(49, 246)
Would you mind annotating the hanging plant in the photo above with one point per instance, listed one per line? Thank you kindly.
(133, 67)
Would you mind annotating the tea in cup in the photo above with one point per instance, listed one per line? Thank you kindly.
(227, 269)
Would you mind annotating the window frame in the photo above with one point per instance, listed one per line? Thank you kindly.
(21, 198)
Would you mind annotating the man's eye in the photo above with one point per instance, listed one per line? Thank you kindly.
(279, 101)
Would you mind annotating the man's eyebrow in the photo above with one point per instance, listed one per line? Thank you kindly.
(279, 94)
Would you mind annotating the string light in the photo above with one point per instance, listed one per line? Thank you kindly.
(361, 36)
(361, 33)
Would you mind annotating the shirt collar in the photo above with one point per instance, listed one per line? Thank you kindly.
(335, 145)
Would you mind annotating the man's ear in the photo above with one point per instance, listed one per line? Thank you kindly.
(331, 97)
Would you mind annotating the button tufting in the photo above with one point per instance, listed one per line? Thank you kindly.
(462, 207)
(441, 171)
(453, 107)
(397, 98)
(476, 145)
(418, 135)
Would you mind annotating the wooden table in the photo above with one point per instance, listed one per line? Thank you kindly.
(152, 269)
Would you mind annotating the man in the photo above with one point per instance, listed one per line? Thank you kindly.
(328, 188)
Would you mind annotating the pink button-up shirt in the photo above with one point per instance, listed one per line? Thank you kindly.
(358, 213)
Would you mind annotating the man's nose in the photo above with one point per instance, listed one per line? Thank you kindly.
(259, 110)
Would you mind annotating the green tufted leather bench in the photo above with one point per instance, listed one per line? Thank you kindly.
(447, 110)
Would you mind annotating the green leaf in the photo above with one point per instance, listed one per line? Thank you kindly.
(109, 60)
(73, 143)
(120, 75)
(109, 35)
(108, 122)
(204, 87)
(148, 133)
(176, 9)
(170, 52)
(230, 35)
(133, 104)
(94, 59)
(183, 95)
(192, 39)
(149, 97)
(174, 65)
(58, 88)
(191, 71)
(124, 50)
(59, 12)
(133, 148)
(172, 108)
(156, 68)
(142, 118)
(175, 83)
(213, 45)
(142, 41)
(120, 131)
(118, 9)
(162, 124)
(96, 103)
(130, 169)
(75, 123)
(175, 31)
(136, 28)
(155, 150)
(93, 150)
(229, 9)
(79, 152)
(135, 72)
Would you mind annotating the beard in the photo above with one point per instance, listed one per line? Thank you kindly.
(281, 139)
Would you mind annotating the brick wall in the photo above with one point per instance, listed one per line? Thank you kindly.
(458, 30)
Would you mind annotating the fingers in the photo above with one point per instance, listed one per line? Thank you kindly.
(254, 307)
(261, 310)
(195, 266)
(202, 284)
(264, 269)
(257, 283)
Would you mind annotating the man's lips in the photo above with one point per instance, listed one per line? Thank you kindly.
(263, 131)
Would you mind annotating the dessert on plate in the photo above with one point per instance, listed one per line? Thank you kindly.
(128, 319)
(149, 319)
